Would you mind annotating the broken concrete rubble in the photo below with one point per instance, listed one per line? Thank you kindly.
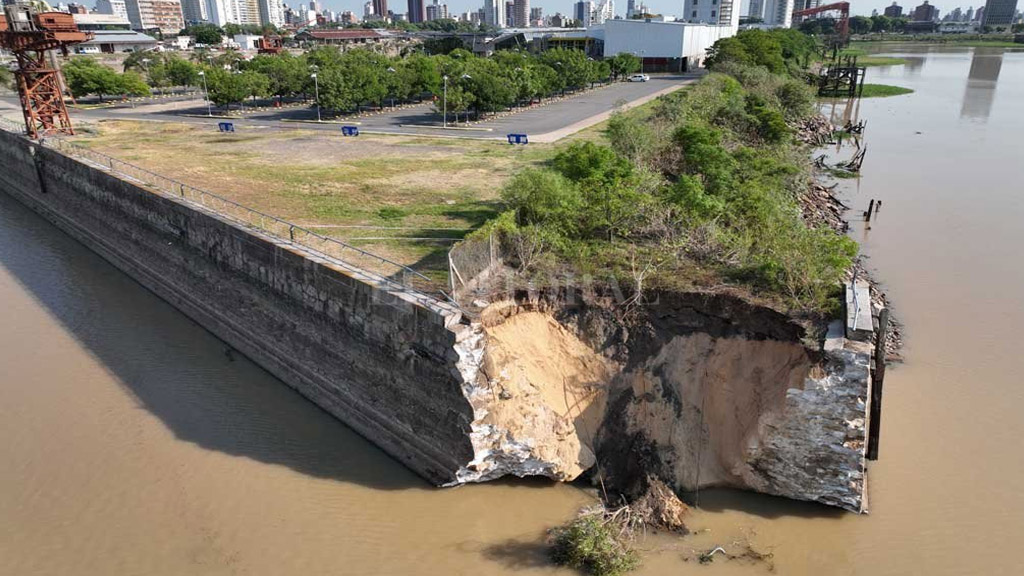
(718, 393)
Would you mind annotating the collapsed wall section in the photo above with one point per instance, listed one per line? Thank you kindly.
(381, 361)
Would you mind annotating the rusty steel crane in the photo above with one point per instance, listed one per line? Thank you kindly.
(842, 24)
(32, 35)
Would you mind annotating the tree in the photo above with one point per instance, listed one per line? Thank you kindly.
(727, 50)
(572, 66)
(86, 76)
(286, 74)
(419, 75)
(132, 84)
(226, 87)
(881, 23)
(181, 72)
(623, 64)
(208, 34)
(6, 78)
(860, 24)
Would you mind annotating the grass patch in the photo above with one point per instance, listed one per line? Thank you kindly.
(883, 90)
(350, 189)
(865, 59)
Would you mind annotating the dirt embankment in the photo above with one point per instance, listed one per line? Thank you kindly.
(698, 390)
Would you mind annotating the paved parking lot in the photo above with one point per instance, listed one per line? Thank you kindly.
(544, 123)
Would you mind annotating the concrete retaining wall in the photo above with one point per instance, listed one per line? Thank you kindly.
(381, 362)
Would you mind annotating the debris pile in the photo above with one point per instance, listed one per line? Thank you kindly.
(820, 207)
(816, 131)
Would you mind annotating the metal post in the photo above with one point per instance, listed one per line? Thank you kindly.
(316, 86)
(444, 109)
(206, 94)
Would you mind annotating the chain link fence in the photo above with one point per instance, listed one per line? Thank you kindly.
(356, 260)
(469, 260)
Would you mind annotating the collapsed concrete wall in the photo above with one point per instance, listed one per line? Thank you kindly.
(702, 389)
(380, 361)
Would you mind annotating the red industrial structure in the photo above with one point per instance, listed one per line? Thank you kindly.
(32, 36)
(842, 24)
(270, 44)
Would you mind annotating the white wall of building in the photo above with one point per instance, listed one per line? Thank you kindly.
(494, 13)
(662, 39)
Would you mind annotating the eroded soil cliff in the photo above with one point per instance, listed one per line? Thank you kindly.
(697, 389)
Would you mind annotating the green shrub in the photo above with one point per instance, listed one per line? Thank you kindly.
(592, 546)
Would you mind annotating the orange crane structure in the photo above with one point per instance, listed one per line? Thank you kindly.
(842, 24)
(32, 36)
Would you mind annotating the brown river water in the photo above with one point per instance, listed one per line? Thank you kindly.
(130, 443)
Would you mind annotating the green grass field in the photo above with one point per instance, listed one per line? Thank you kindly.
(865, 59)
(883, 90)
(406, 198)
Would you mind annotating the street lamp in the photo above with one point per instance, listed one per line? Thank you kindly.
(392, 71)
(206, 93)
(444, 109)
(316, 86)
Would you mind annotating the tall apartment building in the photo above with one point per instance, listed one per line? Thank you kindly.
(114, 7)
(380, 9)
(582, 12)
(271, 12)
(494, 13)
(193, 11)
(417, 12)
(437, 11)
(893, 11)
(536, 15)
(999, 12)
(721, 12)
(925, 13)
(164, 15)
(521, 13)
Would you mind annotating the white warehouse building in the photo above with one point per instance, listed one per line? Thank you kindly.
(664, 46)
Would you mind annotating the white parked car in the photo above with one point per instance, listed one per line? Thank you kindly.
(639, 78)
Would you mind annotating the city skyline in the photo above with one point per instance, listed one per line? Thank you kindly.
(667, 7)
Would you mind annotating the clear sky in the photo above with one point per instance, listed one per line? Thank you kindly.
(862, 7)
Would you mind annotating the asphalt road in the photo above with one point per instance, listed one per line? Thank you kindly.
(546, 122)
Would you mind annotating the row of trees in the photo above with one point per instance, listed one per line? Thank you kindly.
(86, 76)
(858, 25)
(211, 34)
(348, 80)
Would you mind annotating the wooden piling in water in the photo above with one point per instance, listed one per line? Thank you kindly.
(875, 415)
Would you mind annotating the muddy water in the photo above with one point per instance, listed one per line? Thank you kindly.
(946, 496)
(131, 444)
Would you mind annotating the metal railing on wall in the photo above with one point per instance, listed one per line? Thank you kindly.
(386, 272)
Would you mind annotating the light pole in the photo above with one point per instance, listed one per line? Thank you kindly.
(206, 93)
(392, 71)
(316, 86)
(444, 109)
(642, 62)
(463, 77)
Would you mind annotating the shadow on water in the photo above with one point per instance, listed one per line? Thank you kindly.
(176, 370)
(519, 554)
(763, 505)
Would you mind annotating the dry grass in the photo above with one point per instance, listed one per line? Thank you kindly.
(384, 193)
